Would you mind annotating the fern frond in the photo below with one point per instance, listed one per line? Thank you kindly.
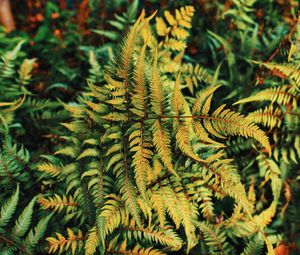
(36, 234)
(92, 242)
(113, 213)
(181, 212)
(158, 204)
(23, 222)
(268, 117)
(181, 127)
(73, 242)
(50, 169)
(128, 46)
(68, 151)
(215, 239)
(282, 95)
(58, 203)
(166, 237)
(142, 154)
(129, 195)
(95, 72)
(161, 140)
(176, 28)
(139, 92)
(25, 71)
(8, 209)
(193, 74)
(290, 71)
(254, 246)
(156, 89)
(7, 63)
(204, 196)
(271, 172)
(256, 224)
(135, 251)
(226, 175)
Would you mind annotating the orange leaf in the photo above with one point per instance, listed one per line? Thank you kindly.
(282, 249)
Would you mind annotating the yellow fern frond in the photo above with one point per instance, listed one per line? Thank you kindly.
(50, 169)
(291, 72)
(202, 104)
(174, 44)
(181, 126)
(89, 152)
(269, 117)
(181, 212)
(72, 242)
(156, 89)
(175, 29)
(25, 71)
(194, 74)
(138, 96)
(222, 123)
(92, 241)
(161, 140)
(128, 45)
(142, 154)
(114, 213)
(166, 236)
(68, 151)
(58, 203)
(74, 126)
(158, 205)
(161, 27)
(226, 175)
(283, 95)
(135, 251)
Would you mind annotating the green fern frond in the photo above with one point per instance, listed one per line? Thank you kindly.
(8, 209)
(11, 234)
(254, 246)
(36, 234)
(23, 222)
(7, 61)
(215, 239)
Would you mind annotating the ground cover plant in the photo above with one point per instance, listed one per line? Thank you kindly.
(150, 127)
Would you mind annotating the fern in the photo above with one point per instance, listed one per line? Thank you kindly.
(254, 246)
(175, 31)
(20, 238)
(143, 168)
(215, 239)
(72, 242)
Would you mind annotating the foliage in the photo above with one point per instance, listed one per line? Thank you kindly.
(175, 131)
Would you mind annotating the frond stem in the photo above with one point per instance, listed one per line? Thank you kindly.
(10, 242)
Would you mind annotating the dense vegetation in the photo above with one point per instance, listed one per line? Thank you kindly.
(150, 127)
